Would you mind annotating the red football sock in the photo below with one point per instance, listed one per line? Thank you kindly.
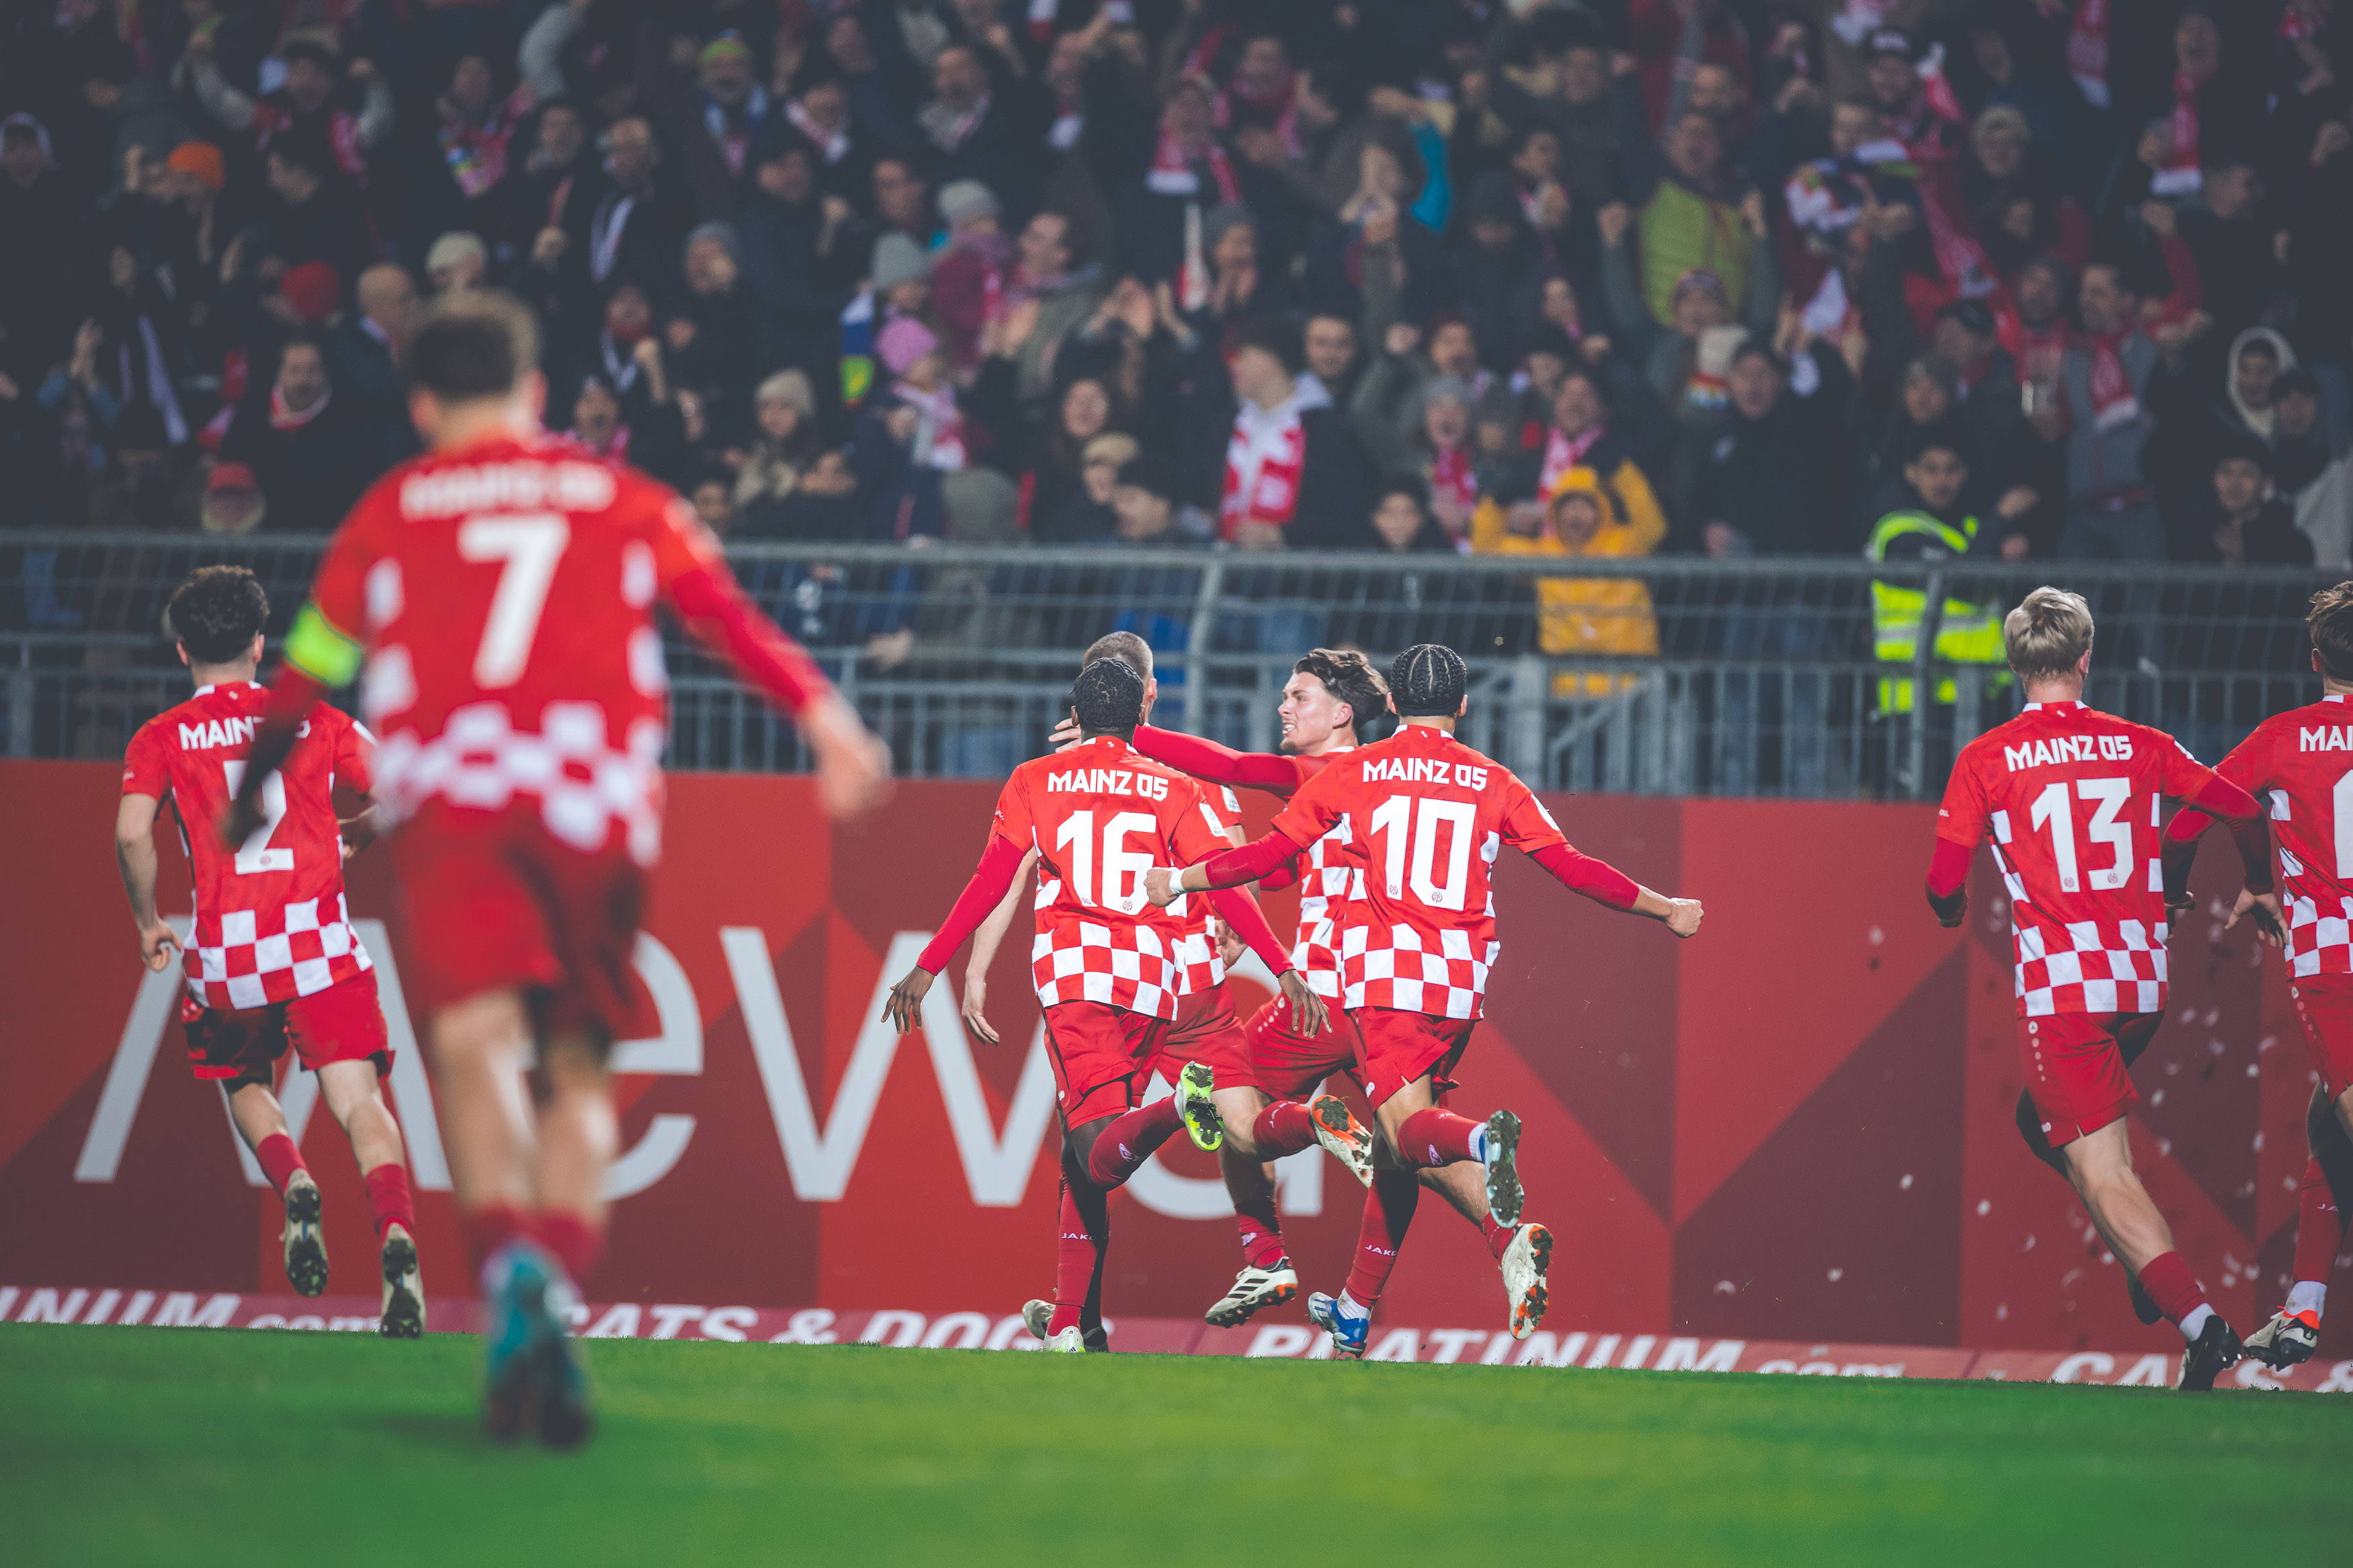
(1388, 1209)
(1499, 1237)
(576, 1241)
(1130, 1139)
(1435, 1137)
(389, 1200)
(279, 1160)
(1261, 1232)
(490, 1227)
(2170, 1284)
(1284, 1128)
(1082, 1240)
(2319, 1228)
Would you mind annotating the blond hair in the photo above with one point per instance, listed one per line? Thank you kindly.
(2048, 635)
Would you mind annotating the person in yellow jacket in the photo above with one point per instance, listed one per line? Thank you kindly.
(1578, 616)
(1935, 524)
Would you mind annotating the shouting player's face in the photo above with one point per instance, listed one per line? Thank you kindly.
(1312, 719)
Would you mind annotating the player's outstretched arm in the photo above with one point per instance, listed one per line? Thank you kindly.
(1949, 882)
(990, 880)
(135, 853)
(1202, 759)
(984, 943)
(1605, 884)
(1262, 857)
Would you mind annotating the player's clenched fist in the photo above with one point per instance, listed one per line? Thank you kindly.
(1160, 886)
(906, 1002)
(157, 943)
(1684, 916)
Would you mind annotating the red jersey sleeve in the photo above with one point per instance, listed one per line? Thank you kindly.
(146, 764)
(694, 580)
(1013, 822)
(1315, 811)
(1527, 826)
(330, 633)
(2182, 776)
(1961, 817)
(355, 757)
(1197, 831)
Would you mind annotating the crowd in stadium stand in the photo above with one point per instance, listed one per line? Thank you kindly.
(2014, 278)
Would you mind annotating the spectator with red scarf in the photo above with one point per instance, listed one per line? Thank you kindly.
(1295, 475)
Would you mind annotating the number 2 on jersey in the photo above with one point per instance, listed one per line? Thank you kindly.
(255, 855)
(527, 547)
(1391, 820)
(2051, 807)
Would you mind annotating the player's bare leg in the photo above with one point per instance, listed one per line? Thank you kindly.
(354, 1098)
(261, 1122)
(2099, 1165)
(1522, 1252)
(2293, 1332)
(2038, 1143)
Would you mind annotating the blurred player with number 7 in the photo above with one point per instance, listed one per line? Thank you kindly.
(495, 600)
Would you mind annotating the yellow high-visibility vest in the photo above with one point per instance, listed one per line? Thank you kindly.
(1969, 634)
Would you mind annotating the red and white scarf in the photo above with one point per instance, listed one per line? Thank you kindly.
(1452, 478)
(284, 418)
(1564, 452)
(2113, 402)
(2181, 175)
(2087, 51)
(833, 144)
(1172, 174)
(939, 433)
(1264, 459)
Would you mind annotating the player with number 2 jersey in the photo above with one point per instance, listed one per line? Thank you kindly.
(272, 962)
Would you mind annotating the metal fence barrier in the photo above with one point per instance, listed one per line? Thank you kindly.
(1668, 676)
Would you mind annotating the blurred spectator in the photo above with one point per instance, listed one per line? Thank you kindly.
(233, 500)
(1295, 474)
(311, 453)
(968, 274)
(1766, 485)
(1578, 618)
(2245, 522)
(785, 442)
(363, 356)
(143, 485)
(457, 263)
(1698, 216)
(1144, 502)
(1333, 362)
(1085, 515)
(2100, 417)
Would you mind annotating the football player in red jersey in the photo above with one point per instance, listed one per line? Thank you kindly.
(495, 598)
(2069, 797)
(1322, 701)
(1205, 1035)
(272, 960)
(1105, 963)
(2302, 761)
(1427, 816)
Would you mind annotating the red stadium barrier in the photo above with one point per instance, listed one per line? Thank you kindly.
(1795, 1131)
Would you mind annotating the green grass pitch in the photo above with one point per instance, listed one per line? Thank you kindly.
(145, 1446)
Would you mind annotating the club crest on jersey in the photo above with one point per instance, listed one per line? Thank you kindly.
(2069, 748)
(2327, 738)
(1424, 770)
(1109, 781)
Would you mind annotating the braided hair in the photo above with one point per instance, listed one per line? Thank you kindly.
(1427, 680)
